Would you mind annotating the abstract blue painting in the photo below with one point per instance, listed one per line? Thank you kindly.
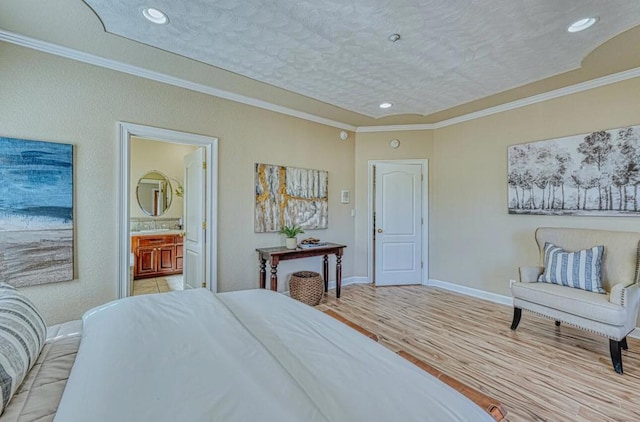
(36, 212)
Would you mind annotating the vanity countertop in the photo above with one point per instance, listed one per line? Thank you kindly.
(156, 232)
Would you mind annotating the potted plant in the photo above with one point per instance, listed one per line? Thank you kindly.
(291, 232)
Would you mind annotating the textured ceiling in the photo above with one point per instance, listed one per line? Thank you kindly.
(451, 51)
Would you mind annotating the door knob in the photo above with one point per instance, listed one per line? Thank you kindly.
(379, 230)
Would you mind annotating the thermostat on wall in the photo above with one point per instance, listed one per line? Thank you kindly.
(344, 197)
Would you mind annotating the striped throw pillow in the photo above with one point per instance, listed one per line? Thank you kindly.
(22, 335)
(579, 269)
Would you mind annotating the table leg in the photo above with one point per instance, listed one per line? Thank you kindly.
(263, 272)
(338, 274)
(325, 272)
(274, 276)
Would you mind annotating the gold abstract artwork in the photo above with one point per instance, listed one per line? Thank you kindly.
(290, 196)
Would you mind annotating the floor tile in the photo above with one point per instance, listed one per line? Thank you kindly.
(145, 291)
(158, 285)
(148, 282)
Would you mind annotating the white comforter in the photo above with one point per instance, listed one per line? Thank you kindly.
(243, 356)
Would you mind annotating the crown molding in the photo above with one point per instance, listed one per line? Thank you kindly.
(70, 53)
(394, 128)
(550, 95)
(546, 96)
(80, 56)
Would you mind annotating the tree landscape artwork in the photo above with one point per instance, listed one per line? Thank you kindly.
(36, 212)
(595, 174)
(288, 196)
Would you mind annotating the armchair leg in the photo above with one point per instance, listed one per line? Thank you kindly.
(623, 344)
(615, 347)
(557, 323)
(517, 313)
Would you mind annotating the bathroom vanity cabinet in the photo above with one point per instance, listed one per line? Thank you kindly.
(156, 255)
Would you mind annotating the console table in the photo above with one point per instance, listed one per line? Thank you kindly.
(280, 253)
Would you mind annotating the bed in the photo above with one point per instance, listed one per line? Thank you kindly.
(237, 356)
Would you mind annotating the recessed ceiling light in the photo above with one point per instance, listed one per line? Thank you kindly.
(582, 24)
(385, 105)
(155, 15)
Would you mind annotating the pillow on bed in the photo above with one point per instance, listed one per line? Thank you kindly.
(580, 269)
(22, 335)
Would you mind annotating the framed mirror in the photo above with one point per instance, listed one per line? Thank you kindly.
(154, 193)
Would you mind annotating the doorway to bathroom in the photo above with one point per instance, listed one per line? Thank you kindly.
(167, 220)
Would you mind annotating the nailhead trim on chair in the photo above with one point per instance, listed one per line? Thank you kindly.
(638, 264)
(572, 325)
(624, 291)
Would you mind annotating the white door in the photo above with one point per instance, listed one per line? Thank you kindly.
(398, 224)
(194, 219)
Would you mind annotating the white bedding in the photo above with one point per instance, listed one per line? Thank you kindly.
(243, 356)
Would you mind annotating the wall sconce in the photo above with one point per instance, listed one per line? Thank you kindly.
(178, 189)
(394, 143)
(344, 135)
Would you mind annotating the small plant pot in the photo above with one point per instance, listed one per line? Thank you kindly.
(291, 242)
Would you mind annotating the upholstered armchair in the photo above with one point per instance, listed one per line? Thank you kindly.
(612, 313)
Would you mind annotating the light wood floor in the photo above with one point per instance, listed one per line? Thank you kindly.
(540, 372)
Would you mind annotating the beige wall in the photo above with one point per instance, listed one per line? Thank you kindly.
(375, 146)
(472, 240)
(475, 242)
(54, 99)
(165, 157)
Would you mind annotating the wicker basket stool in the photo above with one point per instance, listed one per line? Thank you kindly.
(307, 287)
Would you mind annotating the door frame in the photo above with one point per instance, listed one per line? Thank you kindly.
(210, 144)
(424, 164)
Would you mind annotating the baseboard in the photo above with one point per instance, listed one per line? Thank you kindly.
(349, 280)
(492, 297)
(469, 291)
